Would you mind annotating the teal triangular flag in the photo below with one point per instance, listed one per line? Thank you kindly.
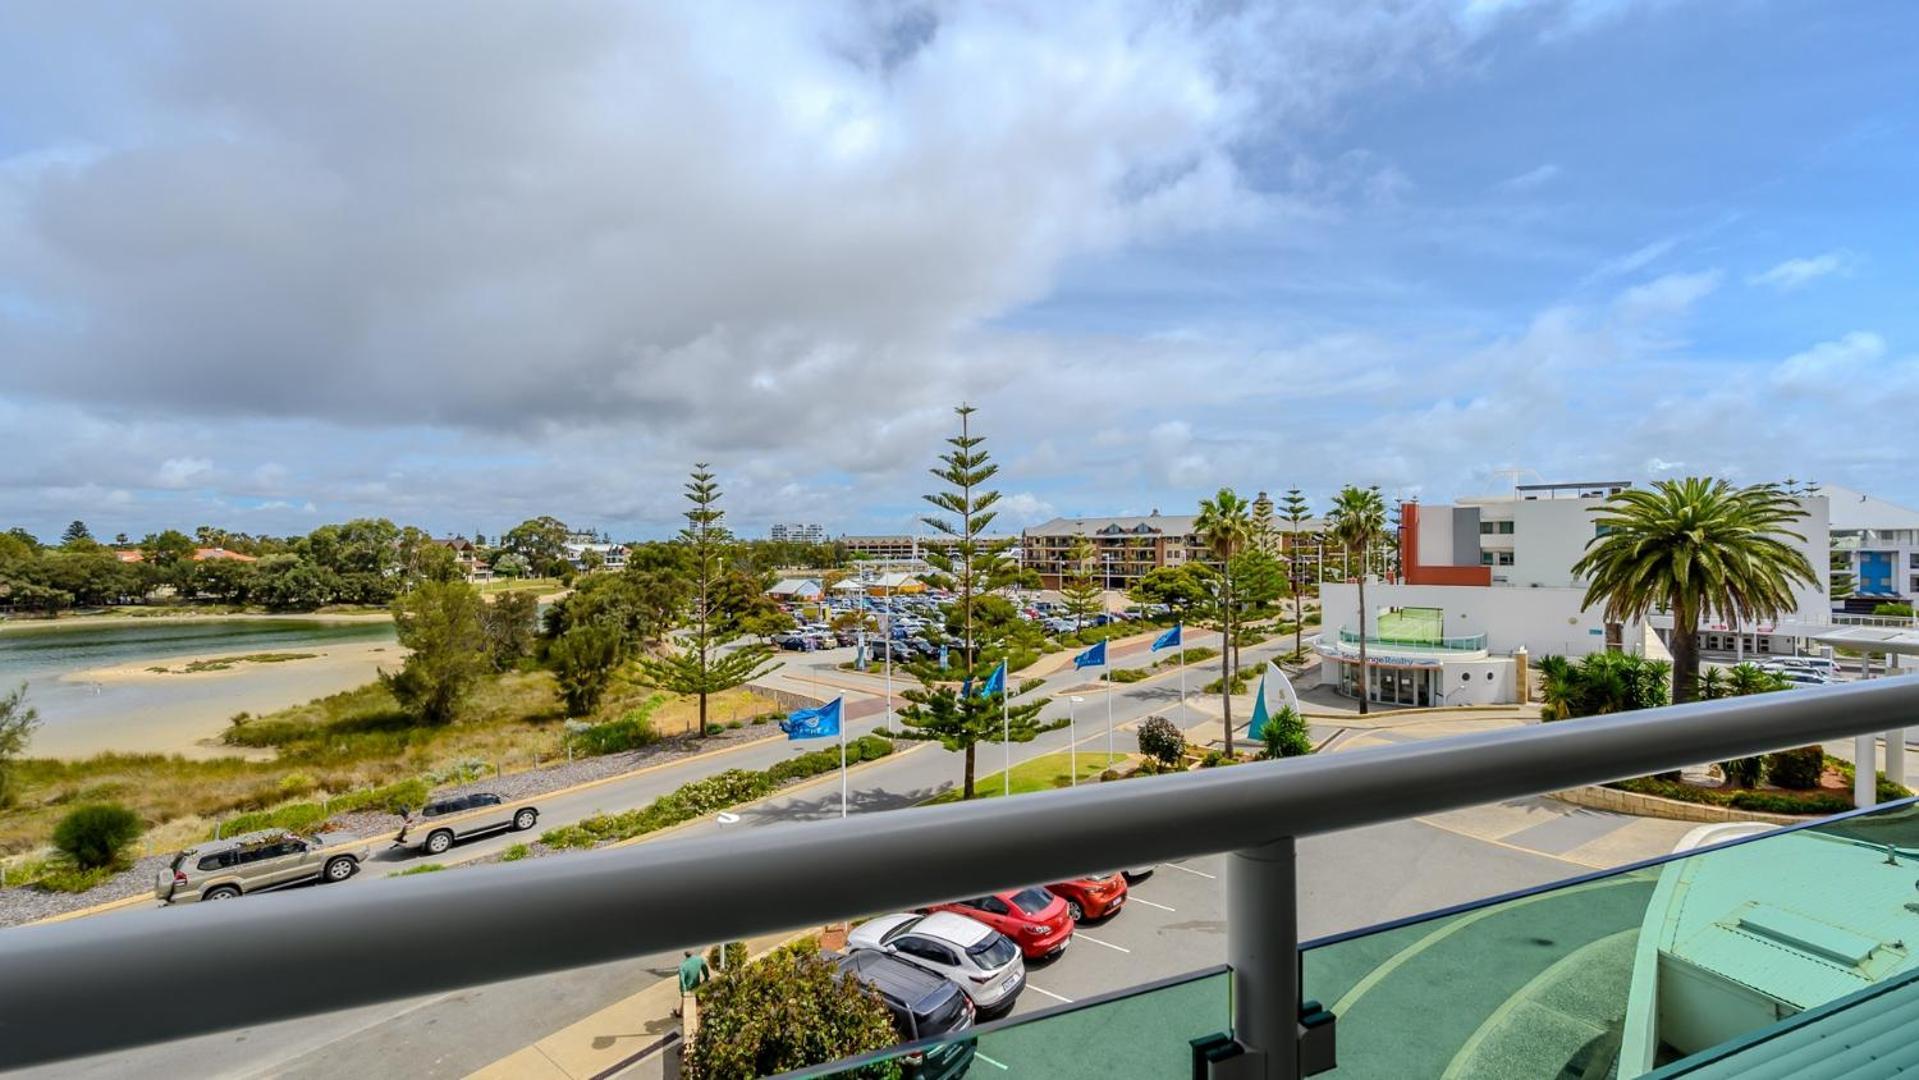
(1255, 730)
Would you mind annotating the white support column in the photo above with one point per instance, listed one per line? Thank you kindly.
(1262, 946)
(1865, 763)
(1896, 756)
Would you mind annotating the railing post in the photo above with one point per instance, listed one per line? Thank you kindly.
(1865, 763)
(1262, 945)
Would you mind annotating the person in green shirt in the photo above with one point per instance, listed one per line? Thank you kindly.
(693, 972)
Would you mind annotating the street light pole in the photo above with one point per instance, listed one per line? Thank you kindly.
(1072, 733)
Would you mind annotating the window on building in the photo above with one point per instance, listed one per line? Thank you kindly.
(1485, 558)
(1505, 558)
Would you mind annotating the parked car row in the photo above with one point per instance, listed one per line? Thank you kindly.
(275, 858)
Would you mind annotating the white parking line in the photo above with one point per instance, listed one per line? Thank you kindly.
(1190, 870)
(1049, 993)
(1097, 941)
(977, 1056)
(1138, 899)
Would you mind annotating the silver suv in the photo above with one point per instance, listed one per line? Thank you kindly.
(253, 862)
(442, 821)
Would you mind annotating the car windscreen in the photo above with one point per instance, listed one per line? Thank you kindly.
(903, 927)
(993, 952)
(942, 1015)
(1032, 901)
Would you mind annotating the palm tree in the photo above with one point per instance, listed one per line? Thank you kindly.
(1692, 547)
(1357, 522)
(1225, 525)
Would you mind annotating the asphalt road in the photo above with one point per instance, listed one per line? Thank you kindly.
(1174, 923)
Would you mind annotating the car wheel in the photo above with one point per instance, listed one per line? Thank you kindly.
(526, 819)
(437, 843)
(340, 869)
(1073, 909)
(220, 892)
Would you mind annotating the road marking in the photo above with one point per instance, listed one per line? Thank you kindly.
(1049, 993)
(1097, 941)
(977, 1056)
(1190, 870)
(1138, 899)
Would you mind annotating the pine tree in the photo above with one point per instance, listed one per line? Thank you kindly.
(1294, 509)
(1265, 534)
(76, 533)
(1080, 589)
(694, 664)
(970, 566)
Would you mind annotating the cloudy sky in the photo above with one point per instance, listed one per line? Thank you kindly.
(268, 265)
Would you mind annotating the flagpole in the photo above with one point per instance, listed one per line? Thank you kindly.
(1072, 734)
(1006, 732)
(842, 763)
(1109, 711)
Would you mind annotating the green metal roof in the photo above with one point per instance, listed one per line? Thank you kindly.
(1867, 1034)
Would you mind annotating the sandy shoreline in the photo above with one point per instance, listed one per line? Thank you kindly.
(191, 726)
(67, 621)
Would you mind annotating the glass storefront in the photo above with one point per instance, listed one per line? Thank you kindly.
(1392, 685)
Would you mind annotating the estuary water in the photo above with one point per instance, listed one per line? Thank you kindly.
(94, 692)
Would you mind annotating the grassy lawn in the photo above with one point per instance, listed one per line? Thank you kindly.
(504, 585)
(1410, 624)
(1043, 773)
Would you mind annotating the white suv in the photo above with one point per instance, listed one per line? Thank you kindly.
(975, 956)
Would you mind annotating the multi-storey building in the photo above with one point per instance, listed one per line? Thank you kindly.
(1877, 544)
(799, 532)
(1488, 581)
(905, 548)
(1125, 549)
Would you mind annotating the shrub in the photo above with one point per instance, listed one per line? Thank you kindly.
(1213, 759)
(293, 817)
(733, 725)
(1109, 774)
(1742, 772)
(714, 729)
(514, 853)
(1797, 769)
(790, 1010)
(1285, 734)
(95, 836)
(396, 798)
(735, 956)
(1160, 740)
(1128, 674)
(629, 732)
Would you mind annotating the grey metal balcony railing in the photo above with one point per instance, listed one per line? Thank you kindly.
(87, 986)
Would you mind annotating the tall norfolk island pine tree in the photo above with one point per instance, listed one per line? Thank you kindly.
(970, 566)
(1293, 509)
(693, 664)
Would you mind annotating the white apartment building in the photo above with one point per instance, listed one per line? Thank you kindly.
(1489, 580)
(799, 532)
(1877, 543)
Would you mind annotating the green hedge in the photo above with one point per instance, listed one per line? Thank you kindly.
(1766, 802)
(393, 798)
(710, 795)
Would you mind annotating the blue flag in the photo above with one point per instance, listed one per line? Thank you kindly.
(1093, 657)
(813, 723)
(995, 683)
(1168, 640)
(966, 688)
(1256, 730)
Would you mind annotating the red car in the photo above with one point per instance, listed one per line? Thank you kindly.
(1035, 919)
(1092, 897)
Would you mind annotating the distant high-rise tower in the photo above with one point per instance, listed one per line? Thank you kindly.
(799, 532)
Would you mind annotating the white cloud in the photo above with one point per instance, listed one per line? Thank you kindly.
(1667, 297)
(1831, 366)
(180, 472)
(1025, 508)
(1530, 179)
(1797, 273)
